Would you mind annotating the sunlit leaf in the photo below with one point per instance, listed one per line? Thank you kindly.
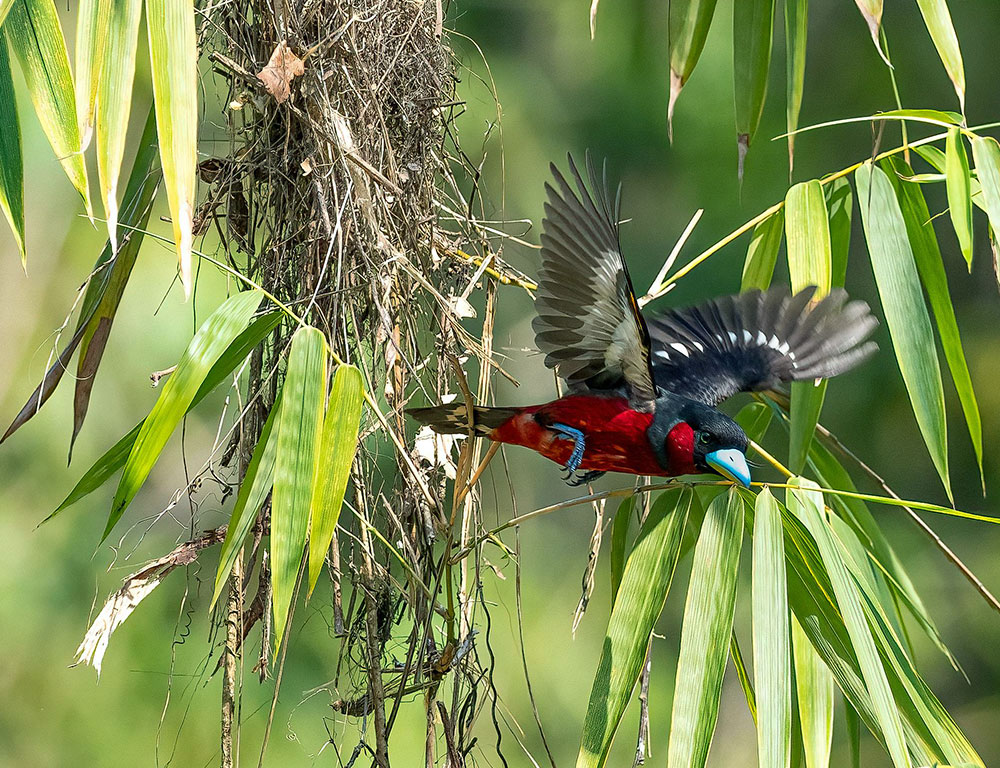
(643, 591)
(959, 192)
(942, 116)
(114, 458)
(872, 11)
(688, 28)
(5, 6)
(619, 543)
(36, 37)
(771, 639)
(814, 691)
(300, 431)
(922, 239)
(91, 39)
(840, 207)
(209, 342)
(338, 446)
(705, 633)
(758, 268)
(807, 505)
(753, 28)
(986, 154)
(905, 312)
(796, 29)
(254, 487)
(938, 21)
(11, 164)
(115, 103)
(173, 55)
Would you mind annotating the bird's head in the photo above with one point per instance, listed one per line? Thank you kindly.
(690, 436)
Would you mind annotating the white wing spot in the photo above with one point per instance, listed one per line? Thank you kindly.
(680, 348)
(783, 349)
(663, 354)
(791, 355)
(732, 336)
(761, 339)
(774, 343)
(747, 338)
(697, 345)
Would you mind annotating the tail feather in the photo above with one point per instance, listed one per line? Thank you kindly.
(452, 418)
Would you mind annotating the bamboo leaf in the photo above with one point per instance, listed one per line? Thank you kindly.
(708, 623)
(942, 116)
(643, 591)
(91, 39)
(872, 11)
(807, 505)
(762, 255)
(986, 154)
(619, 543)
(743, 675)
(300, 432)
(339, 444)
(814, 690)
(905, 312)
(209, 342)
(35, 35)
(255, 486)
(938, 22)
(920, 232)
(173, 57)
(958, 183)
(11, 163)
(840, 206)
(5, 6)
(796, 33)
(114, 458)
(753, 29)
(115, 103)
(771, 649)
(687, 30)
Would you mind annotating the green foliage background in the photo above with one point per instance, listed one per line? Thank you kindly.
(558, 91)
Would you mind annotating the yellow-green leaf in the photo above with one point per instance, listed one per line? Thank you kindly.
(762, 255)
(796, 29)
(115, 104)
(905, 311)
(11, 164)
(771, 639)
(807, 235)
(300, 431)
(5, 6)
(753, 29)
(339, 444)
(36, 37)
(91, 39)
(986, 154)
(957, 178)
(619, 543)
(938, 22)
(705, 633)
(643, 591)
(814, 690)
(211, 340)
(173, 55)
(254, 488)
(687, 29)
(872, 11)
(839, 206)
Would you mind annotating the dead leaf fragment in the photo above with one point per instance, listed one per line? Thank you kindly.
(280, 70)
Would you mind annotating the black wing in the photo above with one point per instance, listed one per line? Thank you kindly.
(755, 341)
(589, 325)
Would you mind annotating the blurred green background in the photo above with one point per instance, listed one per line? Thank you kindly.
(558, 91)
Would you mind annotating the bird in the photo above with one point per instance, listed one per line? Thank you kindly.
(642, 393)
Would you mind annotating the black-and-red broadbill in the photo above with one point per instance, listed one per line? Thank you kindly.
(642, 392)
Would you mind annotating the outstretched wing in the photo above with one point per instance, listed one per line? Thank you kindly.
(588, 324)
(757, 340)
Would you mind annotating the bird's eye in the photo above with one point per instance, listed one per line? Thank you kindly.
(703, 438)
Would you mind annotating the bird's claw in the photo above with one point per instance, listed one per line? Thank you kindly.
(574, 479)
(565, 432)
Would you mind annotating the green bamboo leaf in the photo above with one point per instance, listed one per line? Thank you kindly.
(643, 591)
(753, 29)
(173, 54)
(708, 623)
(814, 690)
(115, 103)
(115, 457)
(840, 206)
(938, 22)
(254, 487)
(872, 11)
(905, 312)
(619, 543)
(986, 154)
(339, 444)
(796, 33)
(807, 504)
(687, 29)
(920, 231)
(35, 35)
(942, 116)
(762, 255)
(5, 6)
(211, 340)
(11, 163)
(771, 650)
(932, 155)
(92, 19)
(743, 675)
(300, 432)
(958, 182)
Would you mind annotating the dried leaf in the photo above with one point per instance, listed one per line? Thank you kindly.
(280, 70)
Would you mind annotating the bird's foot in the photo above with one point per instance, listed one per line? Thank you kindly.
(582, 478)
(564, 432)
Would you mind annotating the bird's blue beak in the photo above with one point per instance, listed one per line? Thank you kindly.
(731, 464)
